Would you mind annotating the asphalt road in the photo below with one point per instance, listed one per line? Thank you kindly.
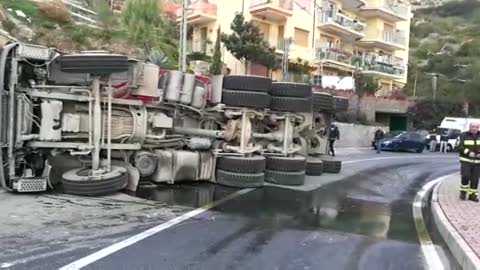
(361, 222)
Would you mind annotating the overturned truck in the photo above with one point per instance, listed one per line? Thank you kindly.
(94, 123)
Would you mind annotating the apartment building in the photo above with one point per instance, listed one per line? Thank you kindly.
(337, 37)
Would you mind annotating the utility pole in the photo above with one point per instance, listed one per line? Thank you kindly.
(286, 50)
(434, 86)
(415, 84)
(182, 48)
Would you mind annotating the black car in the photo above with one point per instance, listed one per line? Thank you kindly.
(405, 141)
(387, 135)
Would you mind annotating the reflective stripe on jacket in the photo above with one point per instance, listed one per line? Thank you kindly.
(469, 143)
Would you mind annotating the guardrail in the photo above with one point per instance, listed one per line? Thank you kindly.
(81, 14)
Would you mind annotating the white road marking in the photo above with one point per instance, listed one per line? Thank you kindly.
(431, 255)
(136, 238)
(399, 157)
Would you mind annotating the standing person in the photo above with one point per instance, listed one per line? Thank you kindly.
(444, 142)
(379, 136)
(469, 151)
(433, 141)
(333, 135)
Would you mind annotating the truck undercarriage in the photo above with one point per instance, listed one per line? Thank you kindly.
(94, 123)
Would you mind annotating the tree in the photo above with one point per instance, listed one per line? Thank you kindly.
(246, 42)
(216, 67)
(365, 84)
(268, 58)
(428, 116)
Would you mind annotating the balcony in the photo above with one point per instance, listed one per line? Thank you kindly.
(272, 10)
(353, 4)
(337, 23)
(386, 10)
(383, 66)
(334, 58)
(200, 47)
(387, 40)
(199, 12)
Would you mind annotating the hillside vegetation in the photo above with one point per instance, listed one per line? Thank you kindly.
(139, 30)
(446, 41)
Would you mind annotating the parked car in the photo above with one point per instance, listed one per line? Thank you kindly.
(387, 135)
(405, 141)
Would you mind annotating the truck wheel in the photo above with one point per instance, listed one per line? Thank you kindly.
(235, 98)
(289, 89)
(255, 164)
(291, 104)
(95, 63)
(331, 166)
(285, 178)
(341, 104)
(247, 83)
(314, 166)
(79, 182)
(286, 164)
(240, 180)
(323, 102)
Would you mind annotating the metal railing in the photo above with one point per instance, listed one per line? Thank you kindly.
(334, 54)
(332, 16)
(81, 14)
(199, 6)
(282, 4)
(394, 37)
(397, 9)
(199, 46)
(382, 63)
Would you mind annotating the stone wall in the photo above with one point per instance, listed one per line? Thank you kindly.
(353, 135)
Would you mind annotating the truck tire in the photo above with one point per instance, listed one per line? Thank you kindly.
(323, 102)
(314, 167)
(285, 178)
(341, 104)
(74, 182)
(255, 164)
(289, 89)
(236, 98)
(95, 63)
(249, 83)
(240, 180)
(332, 166)
(291, 104)
(286, 164)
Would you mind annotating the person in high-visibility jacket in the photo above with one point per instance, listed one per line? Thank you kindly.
(469, 151)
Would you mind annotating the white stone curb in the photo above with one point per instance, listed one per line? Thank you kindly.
(462, 252)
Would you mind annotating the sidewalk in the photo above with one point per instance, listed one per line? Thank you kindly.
(458, 222)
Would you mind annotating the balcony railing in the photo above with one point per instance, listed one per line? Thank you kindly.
(332, 16)
(197, 11)
(199, 46)
(400, 10)
(334, 54)
(281, 4)
(395, 37)
(382, 63)
(199, 6)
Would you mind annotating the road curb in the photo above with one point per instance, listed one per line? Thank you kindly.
(462, 252)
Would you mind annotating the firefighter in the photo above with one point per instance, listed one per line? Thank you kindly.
(469, 151)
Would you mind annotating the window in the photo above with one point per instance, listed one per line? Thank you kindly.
(264, 29)
(317, 80)
(203, 39)
(301, 37)
(281, 34)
